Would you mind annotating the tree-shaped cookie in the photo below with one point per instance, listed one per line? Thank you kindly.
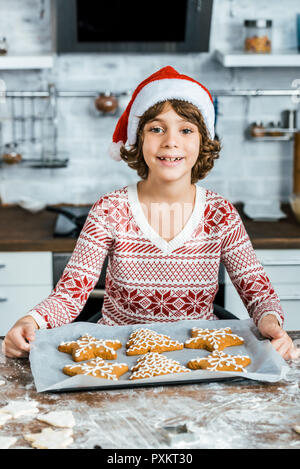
(87, 347)
(220, 361)
(155, 364)
(213, 339)
(142, 341)
(98, 368)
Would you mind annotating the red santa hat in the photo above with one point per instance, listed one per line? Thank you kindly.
(162, 85)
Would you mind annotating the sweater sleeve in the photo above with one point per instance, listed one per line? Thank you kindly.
(245, 270)
(80, 275)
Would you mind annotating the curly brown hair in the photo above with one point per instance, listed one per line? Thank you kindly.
(209, 149)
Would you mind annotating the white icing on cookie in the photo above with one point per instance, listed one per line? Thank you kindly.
(87, 342)
(97, 366)
(147, 339)
(219, 359)
(154, 364)
(214, 337)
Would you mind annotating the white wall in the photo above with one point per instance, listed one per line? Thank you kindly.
(245, 169)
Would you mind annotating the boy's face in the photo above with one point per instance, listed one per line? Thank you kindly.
(169, 135)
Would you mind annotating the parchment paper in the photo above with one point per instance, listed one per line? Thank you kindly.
(47, 362)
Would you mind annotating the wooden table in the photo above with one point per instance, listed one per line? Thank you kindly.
(236, 414)
(24, 231)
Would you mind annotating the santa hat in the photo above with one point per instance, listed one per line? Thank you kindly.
(164, 84)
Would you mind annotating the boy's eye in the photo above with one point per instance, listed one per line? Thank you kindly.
(157, 129)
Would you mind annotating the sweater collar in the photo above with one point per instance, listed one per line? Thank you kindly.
(184, 235)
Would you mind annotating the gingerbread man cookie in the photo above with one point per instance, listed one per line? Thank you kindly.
(215, 339)
(142, 341)
(220, 361)
(155, 364)
(87, 347)
(97, 367)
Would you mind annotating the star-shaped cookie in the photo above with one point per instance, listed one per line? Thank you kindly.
(87, 347)
(220, 361)
(213, 339)
(97, 367)
(142, 341)
(155, 364)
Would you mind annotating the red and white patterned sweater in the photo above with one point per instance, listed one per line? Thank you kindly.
(149, 279)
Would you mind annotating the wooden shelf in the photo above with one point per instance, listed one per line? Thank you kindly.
(289, 58)
(26, 61)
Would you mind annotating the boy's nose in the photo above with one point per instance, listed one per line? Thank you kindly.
(170, 139)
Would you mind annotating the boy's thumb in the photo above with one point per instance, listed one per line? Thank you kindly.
(275, 331)
(29, 332)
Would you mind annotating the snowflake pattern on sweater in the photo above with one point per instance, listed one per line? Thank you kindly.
(151, 280)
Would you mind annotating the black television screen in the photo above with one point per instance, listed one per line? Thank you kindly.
(132, 21)
(132, 25)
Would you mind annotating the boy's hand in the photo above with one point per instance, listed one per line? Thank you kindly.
(270, 328)
(17, 341)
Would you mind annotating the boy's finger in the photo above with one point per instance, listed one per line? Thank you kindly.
(18, 341)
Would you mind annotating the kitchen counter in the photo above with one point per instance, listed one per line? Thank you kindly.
(23, 231)
(231, 414)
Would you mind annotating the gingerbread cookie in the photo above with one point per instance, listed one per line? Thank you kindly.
(87, 347)
(142, 341)
(97, 367)
(213, 339)
(155, 364)
(220, 361)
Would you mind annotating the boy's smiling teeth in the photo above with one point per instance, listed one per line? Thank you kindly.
(170, 159)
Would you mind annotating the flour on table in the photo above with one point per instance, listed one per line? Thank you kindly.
(19, 408)
(50, 439)
(7, 441)
(2, 382)
(4, 418)
(62, 418)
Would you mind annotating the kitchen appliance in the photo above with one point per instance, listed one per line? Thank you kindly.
(118, 26)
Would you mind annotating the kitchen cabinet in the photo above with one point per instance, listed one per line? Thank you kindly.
(25, 280)
(283, 269)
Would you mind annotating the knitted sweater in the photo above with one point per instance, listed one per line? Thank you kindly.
(149, 279)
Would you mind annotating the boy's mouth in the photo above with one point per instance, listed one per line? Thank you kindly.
(167, 158)
(170, 161)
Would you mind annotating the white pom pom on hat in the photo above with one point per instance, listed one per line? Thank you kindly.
(162, 85)
(114, 150)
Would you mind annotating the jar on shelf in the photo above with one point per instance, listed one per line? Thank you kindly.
(3, 46)
(258, 36)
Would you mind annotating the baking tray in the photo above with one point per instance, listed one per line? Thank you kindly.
(47, 362)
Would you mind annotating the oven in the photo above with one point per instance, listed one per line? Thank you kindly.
(69, 223)
(95, 301)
